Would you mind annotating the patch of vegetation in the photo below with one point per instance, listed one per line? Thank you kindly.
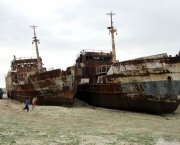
(170, 138)
(2, 129)
(145, 138)
(13, 141)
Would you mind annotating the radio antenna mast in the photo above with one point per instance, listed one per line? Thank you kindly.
(36, 41)
(112, 30)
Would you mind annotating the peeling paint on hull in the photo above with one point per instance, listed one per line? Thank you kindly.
(146, 84)
(111, 96)
(53, 87)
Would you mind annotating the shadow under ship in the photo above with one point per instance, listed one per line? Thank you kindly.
(27, 79)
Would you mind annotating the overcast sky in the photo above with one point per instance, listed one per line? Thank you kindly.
(65, 27)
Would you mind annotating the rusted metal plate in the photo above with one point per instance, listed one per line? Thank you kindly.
(55, 87)
(113, 96)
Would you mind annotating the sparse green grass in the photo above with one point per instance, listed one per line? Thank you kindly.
(76, 126)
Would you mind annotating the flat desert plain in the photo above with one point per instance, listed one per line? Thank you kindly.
(84, 125)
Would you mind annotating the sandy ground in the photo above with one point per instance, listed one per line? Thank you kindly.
(84, 125)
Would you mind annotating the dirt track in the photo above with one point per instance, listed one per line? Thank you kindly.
(84, 125)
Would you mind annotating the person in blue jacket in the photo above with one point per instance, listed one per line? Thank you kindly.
(26, 105)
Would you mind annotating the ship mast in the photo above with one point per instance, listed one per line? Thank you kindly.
(36, 41)
(112, 30)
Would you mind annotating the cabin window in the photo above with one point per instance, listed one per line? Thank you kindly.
(14, 67)
(94, 58)
(102, 58)
(98, 58)
(86, 57)
(80, 58)
(90, 57)
(108, 58)
(105, 58)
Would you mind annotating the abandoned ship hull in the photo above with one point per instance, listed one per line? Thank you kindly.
(45, 97)
(53, 87)
(115, 96)
(22, 95)
(49, 88)
(22, 92)
(54, 96)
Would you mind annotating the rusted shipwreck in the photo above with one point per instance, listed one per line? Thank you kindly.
(27, 79)
(146, 84)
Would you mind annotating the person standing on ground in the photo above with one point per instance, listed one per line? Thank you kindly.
(34, 102)
(26, 105)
